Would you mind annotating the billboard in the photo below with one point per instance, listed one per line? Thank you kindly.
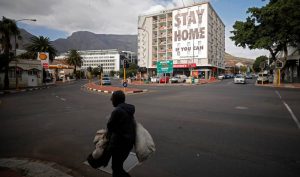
(190, 32)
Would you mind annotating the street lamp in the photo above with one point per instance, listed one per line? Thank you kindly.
(148, 48)
(16, 73)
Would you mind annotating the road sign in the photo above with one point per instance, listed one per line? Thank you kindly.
(124, 84)
(165, 66)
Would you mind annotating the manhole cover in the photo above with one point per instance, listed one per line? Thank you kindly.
(129, 164)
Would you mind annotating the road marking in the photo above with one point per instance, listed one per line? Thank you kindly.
(289, 109)
(241, 107)
(292, 114)
(63, 99)
(278, 94)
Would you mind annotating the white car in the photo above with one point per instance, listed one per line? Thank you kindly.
(221, 77)
(239, 79)
(106, 81)
(154, 79)
(179, 79)
(262, 78)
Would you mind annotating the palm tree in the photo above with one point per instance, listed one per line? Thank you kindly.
(74, 59)
(41, 44)
(8, 28)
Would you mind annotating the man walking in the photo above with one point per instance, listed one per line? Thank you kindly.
(120, 132)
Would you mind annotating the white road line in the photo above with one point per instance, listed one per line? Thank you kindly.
(278, 94)
(63, 99)
(292, 114)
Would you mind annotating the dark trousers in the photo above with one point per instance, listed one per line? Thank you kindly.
(118, 158)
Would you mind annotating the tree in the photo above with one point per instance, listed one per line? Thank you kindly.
(8, 28)
(74, 59)
(270, 28)
(41, 44)
(258, 60)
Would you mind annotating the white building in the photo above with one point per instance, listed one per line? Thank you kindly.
(23, 73)
(193, 37)
(108, 59)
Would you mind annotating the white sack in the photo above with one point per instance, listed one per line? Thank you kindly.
(144, 144)
(100, 141)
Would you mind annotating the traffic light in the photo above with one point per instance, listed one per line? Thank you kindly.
(125, 64)
(297, 62)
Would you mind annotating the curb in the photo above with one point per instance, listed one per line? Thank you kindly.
(110, 91)
(30, 167)
(275, 86)
(25, 89)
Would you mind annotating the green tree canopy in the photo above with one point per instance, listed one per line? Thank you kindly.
(41, 44)
(258, 60)
(272, 27)
(8, 28)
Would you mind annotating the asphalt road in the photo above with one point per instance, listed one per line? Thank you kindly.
(212, 130)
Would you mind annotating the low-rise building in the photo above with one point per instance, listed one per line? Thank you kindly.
(23, 73)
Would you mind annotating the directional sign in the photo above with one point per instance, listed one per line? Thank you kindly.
(124, 84)
(165, 66)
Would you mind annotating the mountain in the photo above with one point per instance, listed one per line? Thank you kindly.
(231, 60)
(84, 40)
(25, 39)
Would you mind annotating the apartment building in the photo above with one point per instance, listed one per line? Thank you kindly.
(193, 37)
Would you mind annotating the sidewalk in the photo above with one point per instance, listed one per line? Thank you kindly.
(282, 85)
(13, 167)
(111, 89)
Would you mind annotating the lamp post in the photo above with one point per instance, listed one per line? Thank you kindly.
(16, 73)
(148, 48)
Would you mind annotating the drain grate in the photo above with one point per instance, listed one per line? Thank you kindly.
(129, 164)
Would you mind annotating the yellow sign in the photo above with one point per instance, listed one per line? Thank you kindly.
(43, 56)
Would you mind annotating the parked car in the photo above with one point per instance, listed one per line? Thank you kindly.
(178, 79)
(106, 81)
(262, 78)
(164, 79)
(154, 79)
(248, 76)
(221, 77)
(239, 79)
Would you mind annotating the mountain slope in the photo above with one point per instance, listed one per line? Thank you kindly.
(84, 40)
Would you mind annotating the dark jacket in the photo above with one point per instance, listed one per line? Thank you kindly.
(121, 127)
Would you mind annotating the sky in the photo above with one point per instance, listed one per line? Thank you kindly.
(60, 18)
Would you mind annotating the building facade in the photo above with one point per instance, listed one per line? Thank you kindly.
(110, 60)
(193, 37)
(23, 73)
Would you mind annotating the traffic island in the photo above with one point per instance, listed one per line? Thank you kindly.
(110, 89)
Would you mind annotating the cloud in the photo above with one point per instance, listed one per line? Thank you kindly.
(98, 16)
(232, 49)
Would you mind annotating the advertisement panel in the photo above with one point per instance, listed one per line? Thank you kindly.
(44, 58)
(190, 32)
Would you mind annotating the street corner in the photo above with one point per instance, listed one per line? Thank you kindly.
(17, 167)
(110, 89)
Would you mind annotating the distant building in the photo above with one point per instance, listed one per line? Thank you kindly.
(193, 37)
(110, 60)
(29, 73)
(291, 71)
